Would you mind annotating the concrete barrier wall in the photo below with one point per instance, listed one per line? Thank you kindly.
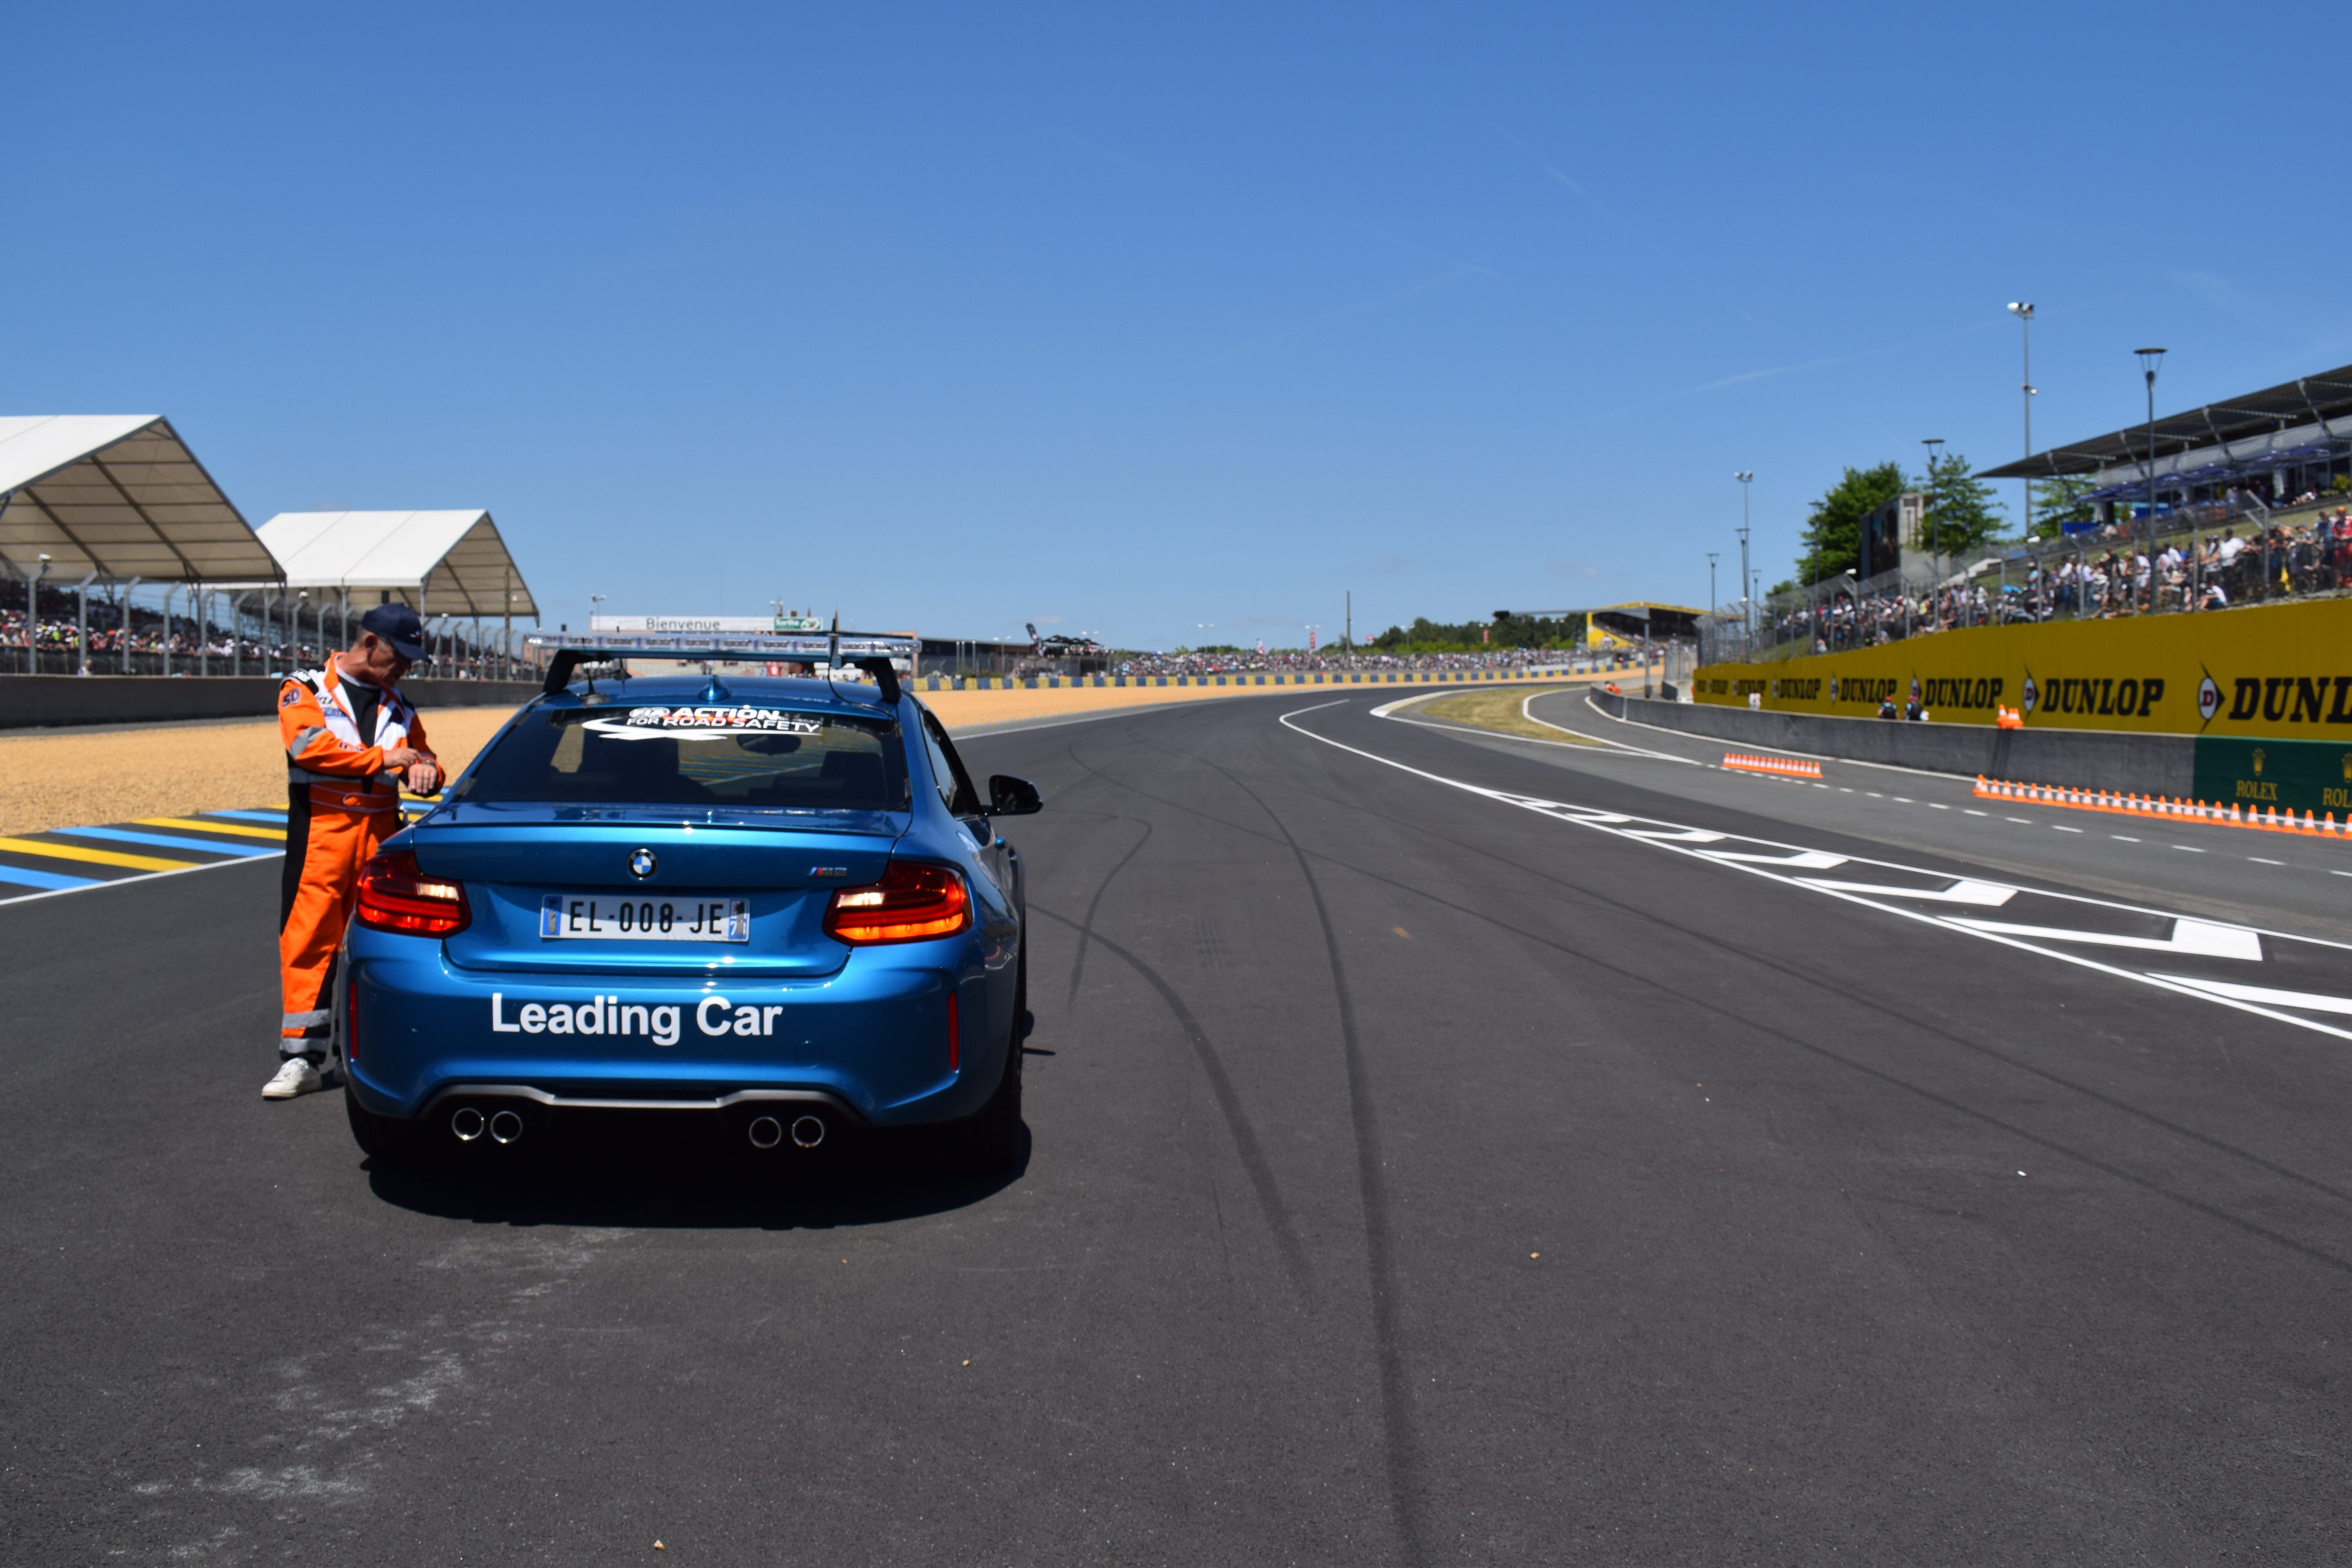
(2087, 759)
(29, 702)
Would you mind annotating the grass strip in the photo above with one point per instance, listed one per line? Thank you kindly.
(1497, 710)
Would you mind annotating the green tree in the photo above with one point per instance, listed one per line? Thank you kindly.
(1962, 514)
(2058, 502)
(1506, 630)
(1833, 538)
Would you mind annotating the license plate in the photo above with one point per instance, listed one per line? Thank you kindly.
(565, 918)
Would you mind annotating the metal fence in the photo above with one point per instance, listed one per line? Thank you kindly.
(221, 633)
(2208, 557)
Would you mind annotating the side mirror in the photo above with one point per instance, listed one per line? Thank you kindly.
(1009, 796)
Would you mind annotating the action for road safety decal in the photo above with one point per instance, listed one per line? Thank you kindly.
(2282, 671)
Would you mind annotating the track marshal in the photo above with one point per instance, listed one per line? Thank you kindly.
(351, 740)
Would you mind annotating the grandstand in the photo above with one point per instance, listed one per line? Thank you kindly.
(451, 567)
(2254, 505)
(1610, 627)
(105, 504)
(2277, 449)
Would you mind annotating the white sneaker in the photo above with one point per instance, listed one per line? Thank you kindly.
(297, 1076)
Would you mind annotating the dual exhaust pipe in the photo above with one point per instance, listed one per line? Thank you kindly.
(471, 1124)
(768, 1133)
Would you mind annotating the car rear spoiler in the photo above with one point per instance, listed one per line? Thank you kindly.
(869, 651)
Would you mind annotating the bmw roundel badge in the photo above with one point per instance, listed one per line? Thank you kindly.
(642, 864)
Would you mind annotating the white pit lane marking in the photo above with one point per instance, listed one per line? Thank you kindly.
(2206, 939)
(1984, 895)
(1802, 860)
(2200, 938)
(2312, 1001)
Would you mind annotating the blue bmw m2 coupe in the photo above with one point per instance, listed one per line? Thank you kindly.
(778, 904)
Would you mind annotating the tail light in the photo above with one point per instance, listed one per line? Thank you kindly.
(955, 1054)
(395, 896)
(910, 903)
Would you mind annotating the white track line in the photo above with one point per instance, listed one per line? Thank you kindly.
(1593, 743)
(1527, 712)
(1676, 839)
(142, 877)
(1814, 756)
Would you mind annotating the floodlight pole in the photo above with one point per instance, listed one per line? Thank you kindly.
(81, 624)
(33, 613)
(1935, 520)
(2024, 314)
(2149, 359)
(1710, 580)
(1749, 615)
(129, 589)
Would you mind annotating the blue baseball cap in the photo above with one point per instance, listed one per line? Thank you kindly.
(397, 625)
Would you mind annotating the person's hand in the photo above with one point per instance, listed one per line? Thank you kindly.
(424, 775)
(400, 758)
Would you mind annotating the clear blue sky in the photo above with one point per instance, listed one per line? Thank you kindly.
(1126, 320)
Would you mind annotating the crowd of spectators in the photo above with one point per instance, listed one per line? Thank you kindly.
(1298, 661)
(179, 645)
(2087, 578)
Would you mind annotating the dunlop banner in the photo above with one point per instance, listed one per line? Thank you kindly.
(2269, 671)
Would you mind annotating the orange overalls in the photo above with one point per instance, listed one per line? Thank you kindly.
(340, 805)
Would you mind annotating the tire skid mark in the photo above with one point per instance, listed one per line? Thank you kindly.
(1229, 1104)
(1402, 1448)
(1086, 927)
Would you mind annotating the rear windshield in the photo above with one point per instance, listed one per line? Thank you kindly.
(776, 758)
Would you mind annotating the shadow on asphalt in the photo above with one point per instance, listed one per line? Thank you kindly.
(655, 1179)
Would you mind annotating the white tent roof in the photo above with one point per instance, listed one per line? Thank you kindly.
(443, 563)
(120, 495)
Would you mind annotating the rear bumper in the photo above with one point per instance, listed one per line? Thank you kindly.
(765, 1099)
(868, 1042)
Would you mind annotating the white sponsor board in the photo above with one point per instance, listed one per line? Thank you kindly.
(698, 624)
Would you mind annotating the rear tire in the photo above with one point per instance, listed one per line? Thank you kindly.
(991, 1140)
(383, 1139)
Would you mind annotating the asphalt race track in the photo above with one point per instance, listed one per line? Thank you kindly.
(1444, 1148)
